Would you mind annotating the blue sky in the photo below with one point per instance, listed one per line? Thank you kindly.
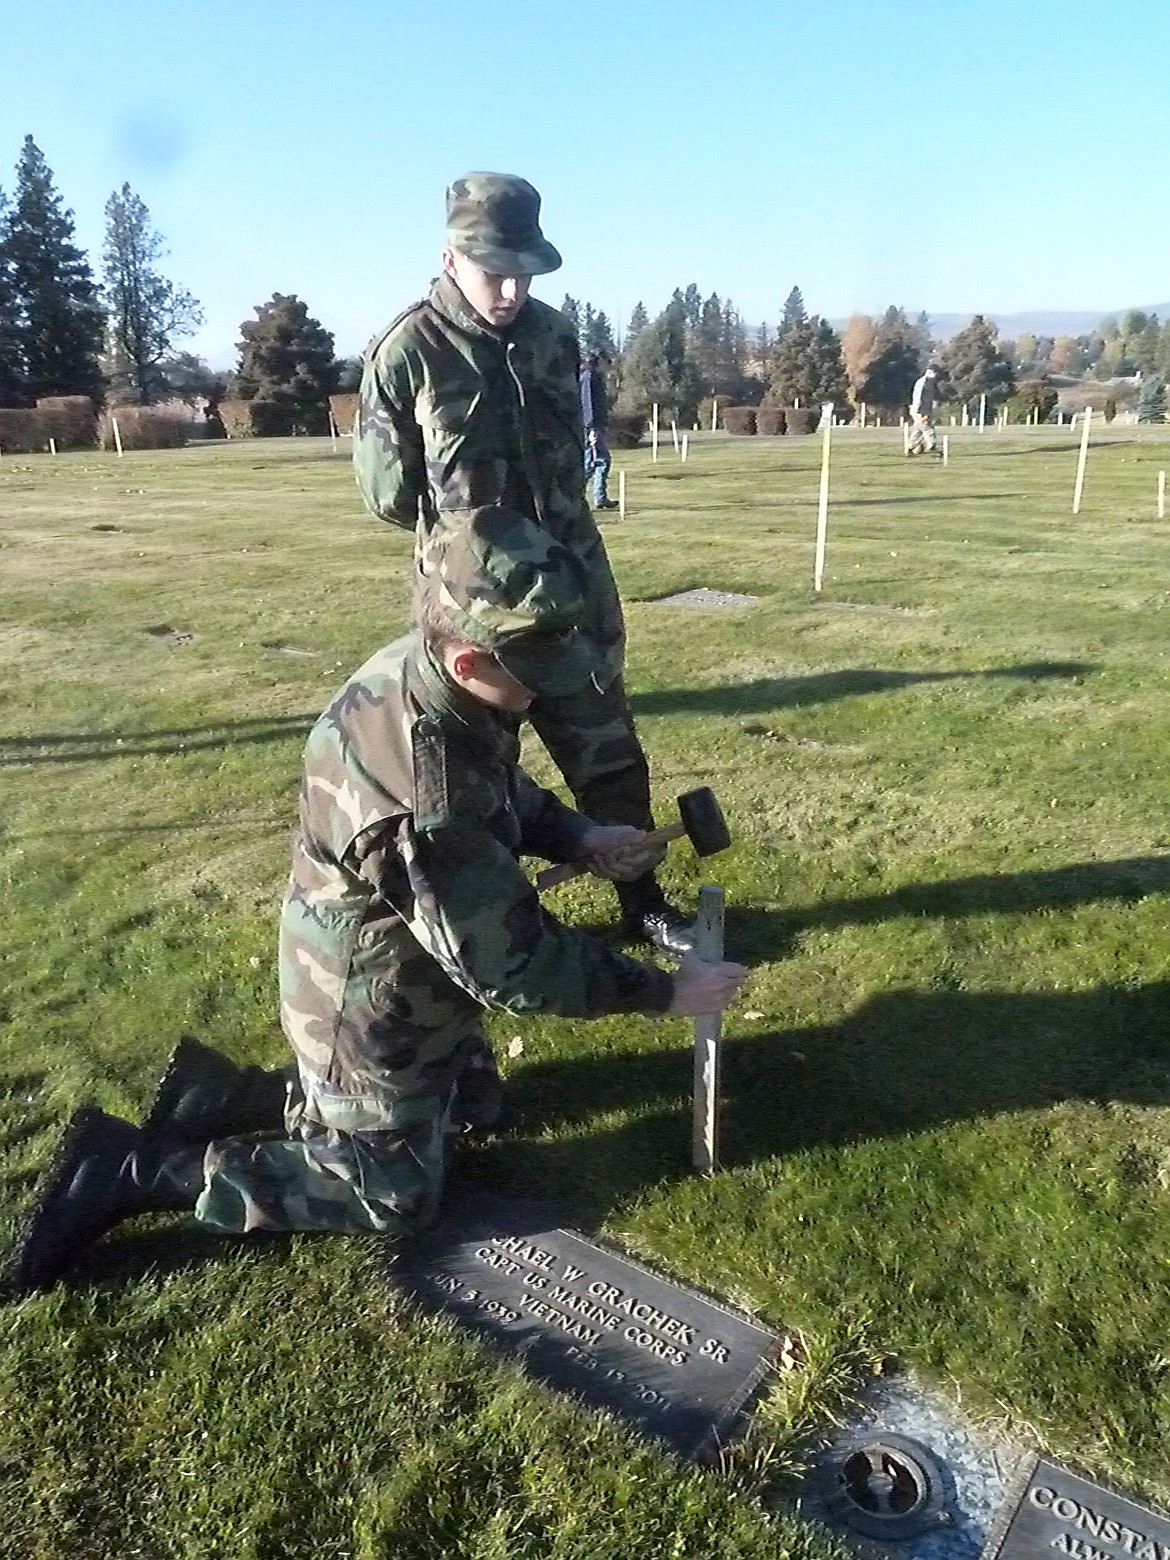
(994, 156)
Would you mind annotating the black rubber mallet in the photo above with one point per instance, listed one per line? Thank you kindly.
(700, 818)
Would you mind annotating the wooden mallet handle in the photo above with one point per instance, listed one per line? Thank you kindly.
(551, 876)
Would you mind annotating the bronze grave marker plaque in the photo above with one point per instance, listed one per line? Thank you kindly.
(681, 1366)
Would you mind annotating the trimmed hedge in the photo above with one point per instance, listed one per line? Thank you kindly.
(801, 419)
(344, 411)
(740, 419)
(624, 430)
(70, 420)
(22, 430)
(771, 419)
(144, 428)
(264, 419)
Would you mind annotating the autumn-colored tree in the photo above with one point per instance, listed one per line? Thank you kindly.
(857, 351)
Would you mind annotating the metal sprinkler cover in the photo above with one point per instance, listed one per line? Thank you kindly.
(886, 1487)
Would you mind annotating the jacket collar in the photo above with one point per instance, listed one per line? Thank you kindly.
(459, 716)
(446, 299)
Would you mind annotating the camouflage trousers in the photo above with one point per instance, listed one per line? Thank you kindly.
(921, 440)
(373, 1162)
(591, 739)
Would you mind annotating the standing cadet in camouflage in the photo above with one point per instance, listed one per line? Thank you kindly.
(471, 398)
(406, 914)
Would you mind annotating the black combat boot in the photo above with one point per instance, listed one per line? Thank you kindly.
(479, 1094)
(649, 916)
(203, 1096)
(104, 1171)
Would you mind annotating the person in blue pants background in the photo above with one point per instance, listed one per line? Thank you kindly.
(595, 413)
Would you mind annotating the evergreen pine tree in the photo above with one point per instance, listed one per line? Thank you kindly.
(599, 335)
(692, 305)
(571, 309)
(794, 311)
(657, 368)
(1151, 407)
(807, 365)
(895, 361)
(973, 365)
(60, 321)
(637, 323)
(146, 312)
(11, 367)
(708, 349)
(287, 364)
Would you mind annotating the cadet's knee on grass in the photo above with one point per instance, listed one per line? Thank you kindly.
(384, 1183)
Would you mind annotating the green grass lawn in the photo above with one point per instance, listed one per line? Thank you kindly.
(946, 1118)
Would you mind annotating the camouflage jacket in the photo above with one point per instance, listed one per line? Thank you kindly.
(455, 416)
(407, 911)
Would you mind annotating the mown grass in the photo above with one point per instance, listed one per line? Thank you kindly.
(946, 1122)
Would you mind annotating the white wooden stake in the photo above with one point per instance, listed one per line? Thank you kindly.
(708, 1032)
(905, 437)
(1081, 460)
(674, 434)
(52, 446)
(982, 413)
(622, 494)
(965, 414)
(946, 448)
(654, 433)
(1161, 495)
(823, 509)
(714, 413)
(332, 432)
(117, 435)
(684, 446)
(952, 419)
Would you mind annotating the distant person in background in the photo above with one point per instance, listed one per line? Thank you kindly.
(924, 402)
(213, 422)
(595, 415)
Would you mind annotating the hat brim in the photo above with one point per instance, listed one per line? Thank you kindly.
(539, 260)
(555, 665)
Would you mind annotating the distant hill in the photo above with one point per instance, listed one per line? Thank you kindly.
(1037, 322)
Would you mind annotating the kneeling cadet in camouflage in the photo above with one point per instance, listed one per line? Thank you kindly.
(471, 399)
(406, 914)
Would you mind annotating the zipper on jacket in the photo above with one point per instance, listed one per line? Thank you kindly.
(525, 452)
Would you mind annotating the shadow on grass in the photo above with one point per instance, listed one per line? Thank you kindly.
(755, 934)
(923, 498)
(80, 747)
(767, 694)
(903, 1062)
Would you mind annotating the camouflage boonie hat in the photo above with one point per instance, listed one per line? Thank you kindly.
(514, 591)
(492, 218)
